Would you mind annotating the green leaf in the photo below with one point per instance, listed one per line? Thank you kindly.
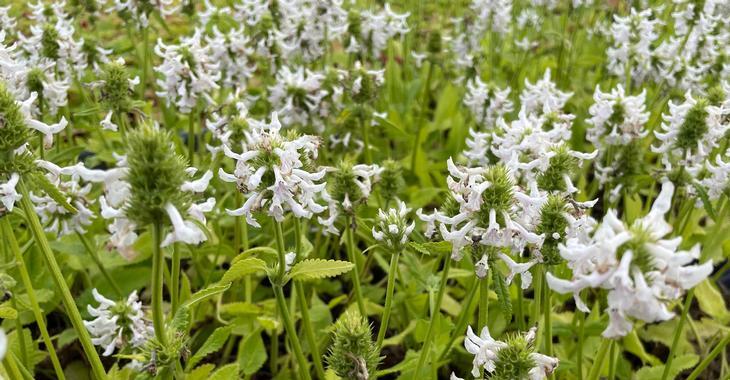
(226, 373)
(705, 201)
(632, 344)
(242, 268)
(500, 287)
(205, 294)
(711, 301)
(679, 364)
(215, 341)
(432, 248)
(252, 353)
(181, 320)
(7, 312)
(201, 373)
(253, 251)
(312, 269)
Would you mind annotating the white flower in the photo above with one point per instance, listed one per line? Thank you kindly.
(297, 95)
(56, 217)
(392, 227)
(493, 16)
(188, 71)
(691, 131)
(48, 130)
(486, 355)
(377, 28)
(484, 348)
(487, 103)
(270, 172)
(117, 325)
(617, 118)
(642, 276)
(8, 194)
(543, 96)
(632, 37)
(717, 182)
(107, 123)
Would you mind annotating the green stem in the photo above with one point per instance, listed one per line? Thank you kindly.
(158, 263)
(434, 319)
(579, 359)
(678, 333)
(68, 301)
(519, 313)
(537, 295)
(547, 313)
(145, 61)
(11, 367)
(422, 117)
(464, 317)
(388, 298)
(7, 232)
(349, 231)
(291, 331)
(598, 361)
(709, 358)
(94, 257)
(191, 137)
(175, 279)
(612, 362)
(483, 302)
(308, 330)
(366, 140)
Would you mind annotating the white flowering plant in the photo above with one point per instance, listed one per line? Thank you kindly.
(331, 189)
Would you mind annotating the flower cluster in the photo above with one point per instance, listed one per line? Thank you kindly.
(118, 325)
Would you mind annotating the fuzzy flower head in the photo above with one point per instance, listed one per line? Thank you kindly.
(691, 131)
(617, 118)
(487, 103)
(152, 186)
(188, 72)
(275, 173)
(115, 87)
(118, 325)
(353, 354)
(632, 38)
(514, 358)
(297, 95)
(392, 228)
(641, 270)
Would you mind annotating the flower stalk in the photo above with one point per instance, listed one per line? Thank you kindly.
(68, 300)
(388, 298)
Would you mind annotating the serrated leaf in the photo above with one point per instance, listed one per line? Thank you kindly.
(242, 268)
(711, 301)
(252, 353)
(680, 363)
(500, 287)
(431, 248)
(201, 373)
(215, 341)
(226, 372)
(253, 251)
(181, 320)
(312, 269)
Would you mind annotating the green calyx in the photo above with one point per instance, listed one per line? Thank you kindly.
(514, 361)
(115, 91)
(353, 354)
(155, 175)
(49, 42)
(642, 259)
(14, 132)
(391, 179)
(694, 126)
(343, 186)
(499, 196)
(561, 164)
(552, 220)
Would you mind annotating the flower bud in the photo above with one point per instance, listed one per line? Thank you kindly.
(353, 354)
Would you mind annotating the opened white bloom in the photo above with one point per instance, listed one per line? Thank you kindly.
(617, 118)
(272, 174)
(632, 37)
(514, 358)
(8, 193)
(378, 27)
(543, 96)
(118, 325)
(690, 131)
(56, 217)
(297, 94)
(392, 228)
(48, 130)
(487, 103)
(107, 123)
(717, 182)
(641, 270)
(188, 71)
